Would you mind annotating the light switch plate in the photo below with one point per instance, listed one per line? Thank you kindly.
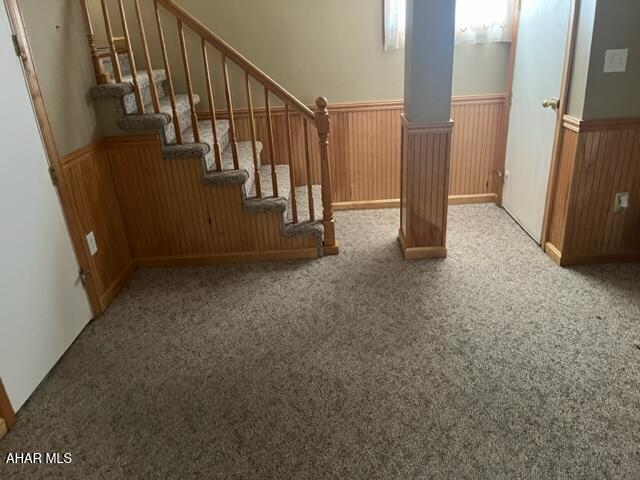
(616, 60)
(91, 243)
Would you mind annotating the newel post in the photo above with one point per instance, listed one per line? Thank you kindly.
(323, 125)
(101, 75)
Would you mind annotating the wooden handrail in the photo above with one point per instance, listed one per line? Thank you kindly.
(229, 52)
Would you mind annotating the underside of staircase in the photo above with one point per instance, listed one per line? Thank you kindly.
(129, 118)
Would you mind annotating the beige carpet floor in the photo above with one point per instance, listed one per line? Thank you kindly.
(491, 364)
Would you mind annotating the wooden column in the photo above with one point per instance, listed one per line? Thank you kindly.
(323, 127)
(426, 129)
(424, 191)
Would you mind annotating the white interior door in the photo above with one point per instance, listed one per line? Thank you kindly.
(43, 307)
(539, 62)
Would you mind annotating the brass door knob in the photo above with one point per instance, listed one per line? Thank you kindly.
(552, 102)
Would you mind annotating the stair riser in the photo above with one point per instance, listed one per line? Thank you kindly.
(184, 119)
(125, 68)
(129, 101)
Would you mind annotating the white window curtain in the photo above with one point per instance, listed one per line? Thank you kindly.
(484, 21)
(395, 21)
(477, 21)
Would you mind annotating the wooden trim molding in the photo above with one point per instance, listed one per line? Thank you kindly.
(417, 253)
(367, 205)
(426, 128)
(562, 110)
(6, 410)
(608, 124)
(395, 202)
(573, 260)
(473, 199)
(227, 258)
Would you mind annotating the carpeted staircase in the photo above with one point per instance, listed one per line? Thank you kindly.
(129, 118)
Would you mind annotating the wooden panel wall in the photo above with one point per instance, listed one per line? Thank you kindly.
(96, 208)
(173, 218)
(598, 159)
(365, 149)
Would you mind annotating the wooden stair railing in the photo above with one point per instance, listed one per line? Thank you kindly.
(319, 119)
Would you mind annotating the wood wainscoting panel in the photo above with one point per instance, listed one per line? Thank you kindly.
(364, 149)
(598, 159)
(88, 173)
(477, 144)
(173, 218)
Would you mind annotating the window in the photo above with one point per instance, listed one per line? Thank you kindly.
(484, 22)
(476, 22)
(395, 23)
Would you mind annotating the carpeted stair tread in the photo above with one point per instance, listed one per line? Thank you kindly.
(268, 202)
(123, 60)
(244, 175)
(152, 120)
(302, 202)
(116, 90)
(206, 135)
(282, 203)
(305, 226)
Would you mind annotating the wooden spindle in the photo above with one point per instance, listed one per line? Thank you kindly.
(272, 156)
(323, 127)
(292, 172)
(167, 69)
(147, 58)
(232, 121)
(132, 61)
(254, 147)
(212, 107)
(307, 163)
(187, 77)
(101, 75)
(115, 61)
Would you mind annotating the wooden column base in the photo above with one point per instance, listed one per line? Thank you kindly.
(416, 253)
(425, 165)
(331, 250)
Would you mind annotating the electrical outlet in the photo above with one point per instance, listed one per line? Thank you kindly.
(616, 60)
(91, 243)
(621, 202)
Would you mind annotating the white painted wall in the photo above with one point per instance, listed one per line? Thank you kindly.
(42, 305)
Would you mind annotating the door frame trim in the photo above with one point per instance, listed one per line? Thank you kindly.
(509, 94)
(16, 24)
(6, 410)
(561, 112)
